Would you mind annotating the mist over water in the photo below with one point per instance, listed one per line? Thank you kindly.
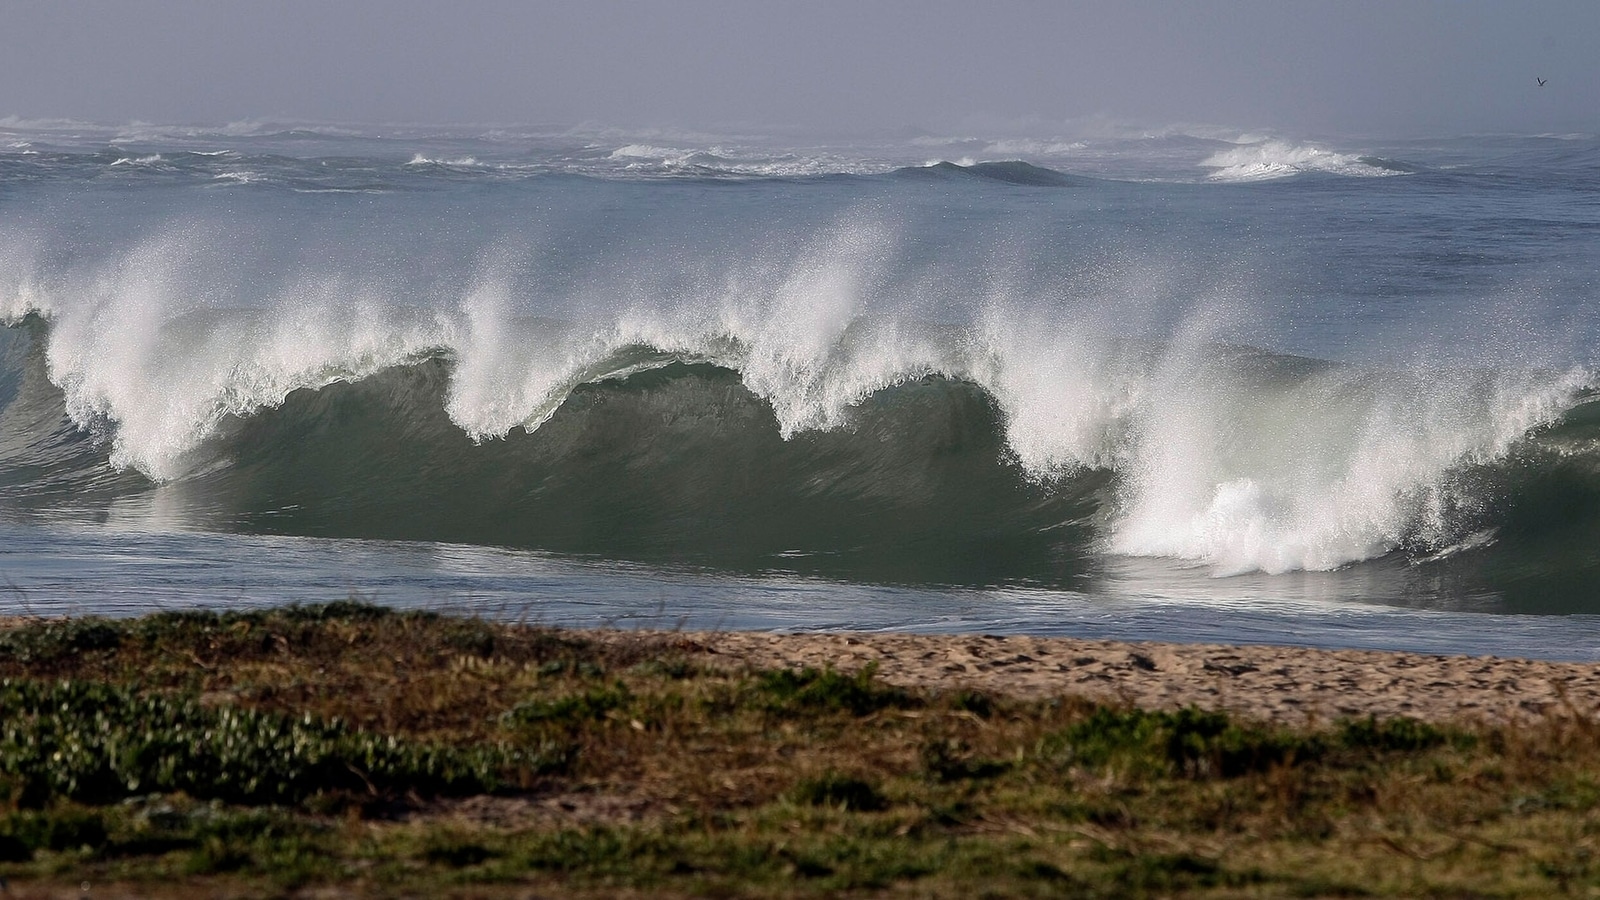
(1167, 367)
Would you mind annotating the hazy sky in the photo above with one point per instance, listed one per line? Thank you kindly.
(1397, 67)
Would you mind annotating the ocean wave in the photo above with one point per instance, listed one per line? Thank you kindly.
(1273, 159)
(647, 151)
(785, 316)
(459, 162)
(241, 177)
(320, 153)
(1233, 458)
(1007, 172)
(733, 162)
(1266, 463)
(149, 160)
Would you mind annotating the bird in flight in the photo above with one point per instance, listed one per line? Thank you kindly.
(1540, 80)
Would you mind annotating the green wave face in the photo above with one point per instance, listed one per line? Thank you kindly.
(680, 463)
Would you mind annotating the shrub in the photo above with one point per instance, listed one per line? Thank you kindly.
(829, 690)
(45, 642)
(98, 743)
(1190, 742)
(1398, 734)
(569, 710)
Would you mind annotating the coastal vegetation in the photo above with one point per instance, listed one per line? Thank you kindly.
(376, 752)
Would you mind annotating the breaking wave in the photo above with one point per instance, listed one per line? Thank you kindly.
(1000, 462)
(940, 374)
(1267, 160)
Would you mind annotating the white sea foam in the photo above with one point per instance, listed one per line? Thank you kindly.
(460, 162)
(646, 151)
(734, 161)
(511, 372)
(963, 161)
(1318, 471)
(1270, 159)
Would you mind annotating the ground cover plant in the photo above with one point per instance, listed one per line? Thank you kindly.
(375, 752)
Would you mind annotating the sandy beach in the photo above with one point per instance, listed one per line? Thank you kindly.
(1290, 685)
(1282, 684)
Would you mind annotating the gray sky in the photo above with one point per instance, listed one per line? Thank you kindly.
(1327, 67)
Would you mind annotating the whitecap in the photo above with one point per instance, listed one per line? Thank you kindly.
(1267, 160)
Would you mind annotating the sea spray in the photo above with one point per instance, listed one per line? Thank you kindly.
(985, 373)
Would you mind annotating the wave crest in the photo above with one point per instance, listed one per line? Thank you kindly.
(1236, 459)
(1268, 160)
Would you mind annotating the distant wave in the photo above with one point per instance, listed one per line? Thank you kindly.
(716, 161)
(647, 151)
(322, 151)
(244, 177)
(459, 162)
(1267, 160)
(1008, 172)
(137, 160)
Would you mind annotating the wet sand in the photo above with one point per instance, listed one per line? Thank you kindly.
(1282, 684)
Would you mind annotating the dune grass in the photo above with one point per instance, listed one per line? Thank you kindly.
(376, 752)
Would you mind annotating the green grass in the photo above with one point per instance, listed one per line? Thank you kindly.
(366, 751)
(97, 743)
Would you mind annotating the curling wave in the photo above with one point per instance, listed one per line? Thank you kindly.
(1238, 460)
(955, 372)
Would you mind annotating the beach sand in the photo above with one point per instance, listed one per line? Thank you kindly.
(1292, 685)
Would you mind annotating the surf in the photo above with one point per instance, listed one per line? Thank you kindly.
(984, 373)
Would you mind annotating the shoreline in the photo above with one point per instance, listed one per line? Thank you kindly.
(1282, 684)
(1271, 683)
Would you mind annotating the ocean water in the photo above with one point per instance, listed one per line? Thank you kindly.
(1177, 385)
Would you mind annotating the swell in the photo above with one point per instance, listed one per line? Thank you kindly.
(1014, 172)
